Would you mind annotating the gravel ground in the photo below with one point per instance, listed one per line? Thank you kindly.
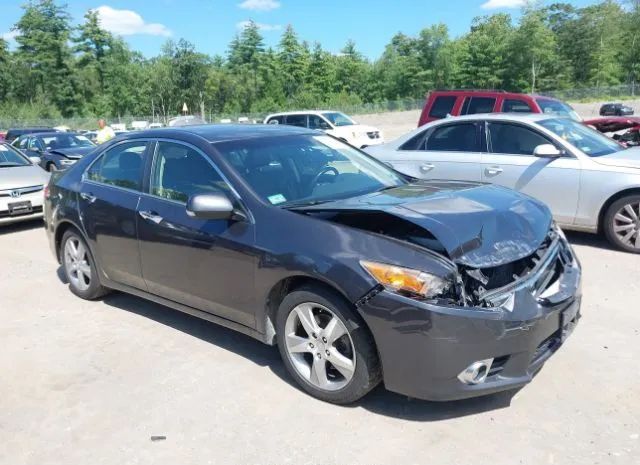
(92, 382)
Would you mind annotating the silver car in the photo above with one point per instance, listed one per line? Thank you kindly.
(22, 183)
(590, 182)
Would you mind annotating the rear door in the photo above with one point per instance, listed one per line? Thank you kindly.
(204, 264)
(109, 197)
(447, 151)
(474, 105)
(510, 162)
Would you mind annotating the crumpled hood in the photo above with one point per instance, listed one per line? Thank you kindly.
(479, 225)
(629, 158)
(73, 153)
(22, 176)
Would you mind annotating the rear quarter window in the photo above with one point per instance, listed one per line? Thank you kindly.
(442, 106)
(475, 105)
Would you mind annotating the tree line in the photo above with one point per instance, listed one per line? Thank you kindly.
(58, 70)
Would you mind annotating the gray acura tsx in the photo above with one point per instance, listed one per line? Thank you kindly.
(441, 290)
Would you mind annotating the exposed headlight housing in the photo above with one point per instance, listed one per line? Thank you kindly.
(406, 280)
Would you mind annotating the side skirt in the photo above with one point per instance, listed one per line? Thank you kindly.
(189, 310)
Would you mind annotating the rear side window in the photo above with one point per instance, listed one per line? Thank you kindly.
(514, 139)
(442, 106)
(120, 166)
(475, 105)
(297, 120)
(276, 120)
(516, 106)
(454, 138)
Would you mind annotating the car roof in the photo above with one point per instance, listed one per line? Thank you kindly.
(489, 92)
(223, 132)
(310, 112)
(525, 117)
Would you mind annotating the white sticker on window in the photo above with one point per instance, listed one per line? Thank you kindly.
(276, 199)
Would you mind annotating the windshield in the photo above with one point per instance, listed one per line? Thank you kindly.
(588, 140)
(555, 107)
(10, 157)
(65, 141)
(302, 170)
(338, 119)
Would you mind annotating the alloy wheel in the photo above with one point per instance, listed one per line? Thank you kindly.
(76, 260)
(319, 346)
(626, 225)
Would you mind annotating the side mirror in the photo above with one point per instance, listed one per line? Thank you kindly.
(35, 160)
(547, 151)
(210, 207)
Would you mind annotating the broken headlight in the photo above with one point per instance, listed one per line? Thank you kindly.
(406, 280)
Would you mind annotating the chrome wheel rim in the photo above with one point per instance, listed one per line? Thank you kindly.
(319, 347)
(76, 261)
(626, 225)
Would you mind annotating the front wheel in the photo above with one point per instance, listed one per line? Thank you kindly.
(622, 223)
(79, 267)
(325, 347)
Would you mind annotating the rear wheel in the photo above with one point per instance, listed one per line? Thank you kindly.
(79, 267)
(325, 347)
(622, 223)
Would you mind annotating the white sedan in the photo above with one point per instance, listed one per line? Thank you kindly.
(22, 184)
(590, 182)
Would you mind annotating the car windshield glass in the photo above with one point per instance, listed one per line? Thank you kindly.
(338, 119)
(555, 107)
(10, 157)
(65, 141)
(302, 170)
(588, 140)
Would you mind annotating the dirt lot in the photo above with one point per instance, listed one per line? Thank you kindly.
(91, 382)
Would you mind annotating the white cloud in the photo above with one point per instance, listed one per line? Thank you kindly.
(127, 23)
(259, 5)
(494, 4)
(9, 36)
(262, 26)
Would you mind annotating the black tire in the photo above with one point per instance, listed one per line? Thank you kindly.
(367, 373)
(610, 222)
(95, 289)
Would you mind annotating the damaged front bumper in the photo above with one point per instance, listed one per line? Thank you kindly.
(426, 346)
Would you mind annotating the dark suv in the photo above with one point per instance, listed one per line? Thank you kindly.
(444, 103)
(443, 290)
(13, 134)
(615, 109)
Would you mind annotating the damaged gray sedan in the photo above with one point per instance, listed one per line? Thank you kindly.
(441, 290)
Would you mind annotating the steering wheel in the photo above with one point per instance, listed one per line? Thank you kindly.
(323, 170)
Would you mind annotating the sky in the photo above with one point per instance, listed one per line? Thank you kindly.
(211, 24)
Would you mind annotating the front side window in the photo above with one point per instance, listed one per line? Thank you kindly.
(588, 140)
(306, 169)
(454, 138)
(515, 106)
(33, 144)
(180, 171)
(556, 107)
(442, 106)
(316, 122)
(276, 120)
(9, 157)
(120, 166)
(297, 120)
(475, 105)
(338, 119)
(514, 139)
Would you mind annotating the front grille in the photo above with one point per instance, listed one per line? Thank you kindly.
(20, 191)
(550, 344)
(497, 366)
(5, 213)
(374, 134)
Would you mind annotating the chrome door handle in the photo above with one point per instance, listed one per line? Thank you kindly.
(151, 216)
(427, 167)
(88, 197)
(494, 170)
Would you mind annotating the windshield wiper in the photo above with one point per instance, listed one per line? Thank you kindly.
(306, 203)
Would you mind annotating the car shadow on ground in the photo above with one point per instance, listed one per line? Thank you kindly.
(21, 226)
(380, 401)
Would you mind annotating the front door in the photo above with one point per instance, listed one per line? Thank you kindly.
(205, 264)
(511, 163)
(448, 151)
(108, 199)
